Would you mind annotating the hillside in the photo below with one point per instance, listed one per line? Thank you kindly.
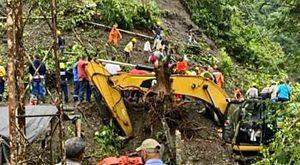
(243, 39)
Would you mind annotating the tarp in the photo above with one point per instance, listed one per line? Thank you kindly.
(34, 125)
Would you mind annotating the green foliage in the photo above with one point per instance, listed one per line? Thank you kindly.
(108, 141)
(128, 14)
(285, 149)
(226, 62)
(228, 23)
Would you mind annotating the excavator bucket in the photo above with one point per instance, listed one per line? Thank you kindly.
(99, 76)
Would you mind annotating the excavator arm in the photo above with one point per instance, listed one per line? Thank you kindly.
(110, 86)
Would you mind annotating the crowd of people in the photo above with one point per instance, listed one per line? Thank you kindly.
(280, 92)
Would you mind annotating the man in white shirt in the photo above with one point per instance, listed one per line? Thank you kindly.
(273, 91)
(147, 48)
(252, 92)
(113, 68)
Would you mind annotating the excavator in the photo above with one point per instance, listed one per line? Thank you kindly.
(109, 89)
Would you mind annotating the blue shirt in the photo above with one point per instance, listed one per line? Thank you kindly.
(284, 91)
(75, 72)
(154, 162)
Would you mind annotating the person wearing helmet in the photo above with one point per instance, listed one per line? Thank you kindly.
(129, 49)
(252, 92)
(60, 42)
(64, 81)
(114, 35)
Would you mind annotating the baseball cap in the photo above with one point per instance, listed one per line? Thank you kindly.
(74, 146)
(273, 82)
(149, 145)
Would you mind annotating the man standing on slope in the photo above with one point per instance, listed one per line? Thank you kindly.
(284, 91)
(252, 92)
(38, 72)
(114, 35)
(129, 49)
(83, 80)
(273, 91)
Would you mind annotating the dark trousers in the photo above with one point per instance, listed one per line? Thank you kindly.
(38, 88)
(282, 99)
(64, 88)
(127, 56)
(1, 88)
(84, 87)
(76, 91)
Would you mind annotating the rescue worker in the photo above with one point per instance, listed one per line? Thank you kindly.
(129, 49)
(64, 81)
(284, 92)
(2, 81)
(252, 92)
(114, 35)
(60, 42)
(75, 148)
(181, 66)
(238, 94)
(159, 54)
(84, 86)
(76, 82)
(166, 46)
(147, 48)
(273, 91)
(157, 31)
(265, 93)
(38, 72)
(150, 152)
(219, 78)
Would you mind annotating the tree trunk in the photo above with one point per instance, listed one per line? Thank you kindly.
(57, 75)
(11, 80)
(20, 80)
(164, 102)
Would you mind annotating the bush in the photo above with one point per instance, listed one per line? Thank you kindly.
(128, 14)
(108, 140)
(226, 62)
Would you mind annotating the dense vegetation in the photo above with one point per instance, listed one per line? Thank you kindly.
(263, 38)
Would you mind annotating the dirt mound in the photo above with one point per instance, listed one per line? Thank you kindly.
(200, 141)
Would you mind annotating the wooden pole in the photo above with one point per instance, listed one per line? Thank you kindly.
(57, 75)
(121, 30)
(11, 80)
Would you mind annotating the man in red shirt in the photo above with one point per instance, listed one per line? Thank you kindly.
(181, 66)
(84, 86)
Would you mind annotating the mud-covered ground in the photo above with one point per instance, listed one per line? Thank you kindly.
(200, 141)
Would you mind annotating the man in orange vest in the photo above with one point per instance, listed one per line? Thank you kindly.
(181, 66)
(219, 78)
(114, 35)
